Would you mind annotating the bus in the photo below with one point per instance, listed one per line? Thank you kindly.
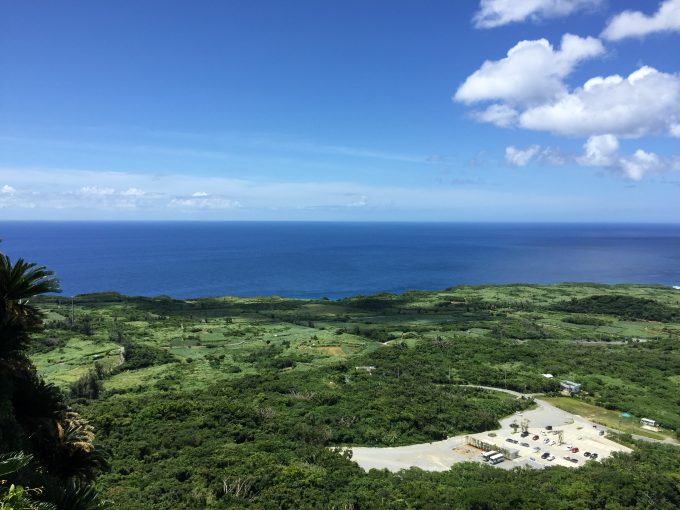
(487, 455)
(496, 458)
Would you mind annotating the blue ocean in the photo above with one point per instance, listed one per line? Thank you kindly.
(313, 260)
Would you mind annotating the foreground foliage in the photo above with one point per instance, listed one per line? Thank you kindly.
(34, 415)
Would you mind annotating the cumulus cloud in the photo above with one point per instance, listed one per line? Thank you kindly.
(501, 115)
(199, 194)
(494, 13)
(646, 102)
(600, 150)
(527, 89)
(531, 73)
(603, 151)
(7, 189)
(520, 157)
(636, 24)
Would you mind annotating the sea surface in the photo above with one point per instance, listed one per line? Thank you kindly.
(313, 260)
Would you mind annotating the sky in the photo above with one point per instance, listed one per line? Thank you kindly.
(491, 110)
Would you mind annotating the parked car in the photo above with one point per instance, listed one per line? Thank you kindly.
(536, 449)
(551, 458)
(549, 427)
(546, 440)
(545, 455)
(513, 441)
(573, 460)
(524, 434)
(587, 454)
(594, 456)
(524, 444)
(574, 450)
(535, 438)
(601, 432)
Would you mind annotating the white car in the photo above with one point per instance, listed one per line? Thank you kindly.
(551, 458)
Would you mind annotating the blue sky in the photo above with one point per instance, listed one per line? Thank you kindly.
(340, 110)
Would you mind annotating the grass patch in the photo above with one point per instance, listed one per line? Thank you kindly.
(606, 417)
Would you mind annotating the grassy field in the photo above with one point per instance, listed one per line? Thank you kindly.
(608, 418)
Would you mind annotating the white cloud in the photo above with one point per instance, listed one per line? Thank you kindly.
(519, 157)
(96, 191)
(55, 193)
(361, 201)
(531, 73)
(603, 151)
(7, 189)
(133, 192)
(199, 194)
(646, 102)
(203, 202)
(640, 164)
(501, 115)
(553, 157)
(637, 24)
(528, 89)
(600, 150)
(494, 13)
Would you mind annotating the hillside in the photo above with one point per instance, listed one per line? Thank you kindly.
(228, 402)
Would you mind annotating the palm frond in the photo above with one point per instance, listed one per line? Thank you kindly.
(13, 462)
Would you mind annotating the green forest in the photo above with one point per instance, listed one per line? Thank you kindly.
(111, 401)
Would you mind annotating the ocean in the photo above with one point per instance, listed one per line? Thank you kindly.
(334, 260)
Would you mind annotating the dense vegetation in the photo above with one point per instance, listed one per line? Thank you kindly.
(627, 307)
(246, 403)
(47, 455)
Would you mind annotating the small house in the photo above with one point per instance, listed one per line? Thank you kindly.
(570, 387)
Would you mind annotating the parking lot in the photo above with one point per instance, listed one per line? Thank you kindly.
(577, 432)
(539, 447)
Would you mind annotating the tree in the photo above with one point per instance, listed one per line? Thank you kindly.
(19, 283)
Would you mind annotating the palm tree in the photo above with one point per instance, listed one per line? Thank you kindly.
(19, 282)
